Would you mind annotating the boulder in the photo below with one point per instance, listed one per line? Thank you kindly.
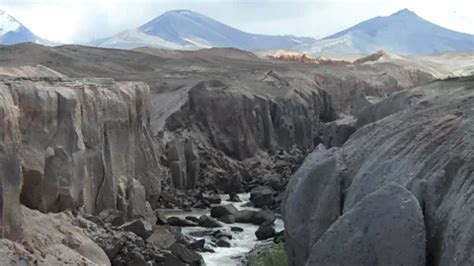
(176, 221)
(112, 216)
(197, 245)
(236, 229)
(263, 216)
(228, 219)
(208, 222)
(172, 260)
(265, 231)
(223, 242)
(222, 234)
(384, 228)
(222, 210)
(312, 202)
(193, 219)
(262, 196)
(162, 238)
(140, 227)
(160, 218)
(245, 216)
(187, 255)
(136, 200)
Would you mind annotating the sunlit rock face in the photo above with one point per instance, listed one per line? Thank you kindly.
(76, 143)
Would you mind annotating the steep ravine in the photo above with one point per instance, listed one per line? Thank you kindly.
(101, 153)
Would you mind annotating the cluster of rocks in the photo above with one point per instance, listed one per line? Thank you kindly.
(140, 242)
(229, 214)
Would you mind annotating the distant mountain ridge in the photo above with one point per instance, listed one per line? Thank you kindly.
(403, 32)
(13, 32)
(189, 30)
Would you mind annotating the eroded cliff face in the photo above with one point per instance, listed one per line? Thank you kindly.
(237, 124)
(409, 172)
(80, 143)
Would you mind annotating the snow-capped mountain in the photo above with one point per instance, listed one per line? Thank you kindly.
(188, 30)
(12, 31)
(403, 32)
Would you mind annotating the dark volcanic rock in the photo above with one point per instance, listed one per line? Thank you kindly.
(172, 260)
(208, 222)
(185, 254)
(162, 238)
(222, 234)
(112, 216)
(263, 216)
(236, 229)
(265, 231)
(122, 247)
(385, 228)
(245, 216)
(228, 219)
(192, 219)
(197, 245)
(313, 202)
(140, 227)
(222, 210)
(176, 221)
(223, 242)
(262, 196)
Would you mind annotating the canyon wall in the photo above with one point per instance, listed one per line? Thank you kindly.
(230, 124)
(399, 191)
(76, 143)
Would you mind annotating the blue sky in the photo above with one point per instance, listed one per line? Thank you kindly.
(70, 21)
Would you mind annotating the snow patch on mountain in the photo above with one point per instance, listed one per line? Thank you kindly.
(8, 23)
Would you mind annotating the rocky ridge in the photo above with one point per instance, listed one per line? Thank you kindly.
(411, 161)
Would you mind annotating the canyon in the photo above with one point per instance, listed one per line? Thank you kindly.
(101, 144)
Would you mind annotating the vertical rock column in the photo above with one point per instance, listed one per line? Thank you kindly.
(10, 171)
(184, 163)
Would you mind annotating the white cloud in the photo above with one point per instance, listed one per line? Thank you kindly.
(80, 21)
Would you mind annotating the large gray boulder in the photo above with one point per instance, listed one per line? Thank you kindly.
(313, 202)
(385, 228)
(425, 145)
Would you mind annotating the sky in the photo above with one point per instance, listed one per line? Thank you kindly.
(79, 21)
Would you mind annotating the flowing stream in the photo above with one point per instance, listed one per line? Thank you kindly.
(241, 243)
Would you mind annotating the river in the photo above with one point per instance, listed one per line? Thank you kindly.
(241, 243)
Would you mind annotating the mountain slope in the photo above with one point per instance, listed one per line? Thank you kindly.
(403, 32)
(13, 32)
(188, 30)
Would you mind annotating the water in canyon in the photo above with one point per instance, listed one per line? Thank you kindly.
(241, 243)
